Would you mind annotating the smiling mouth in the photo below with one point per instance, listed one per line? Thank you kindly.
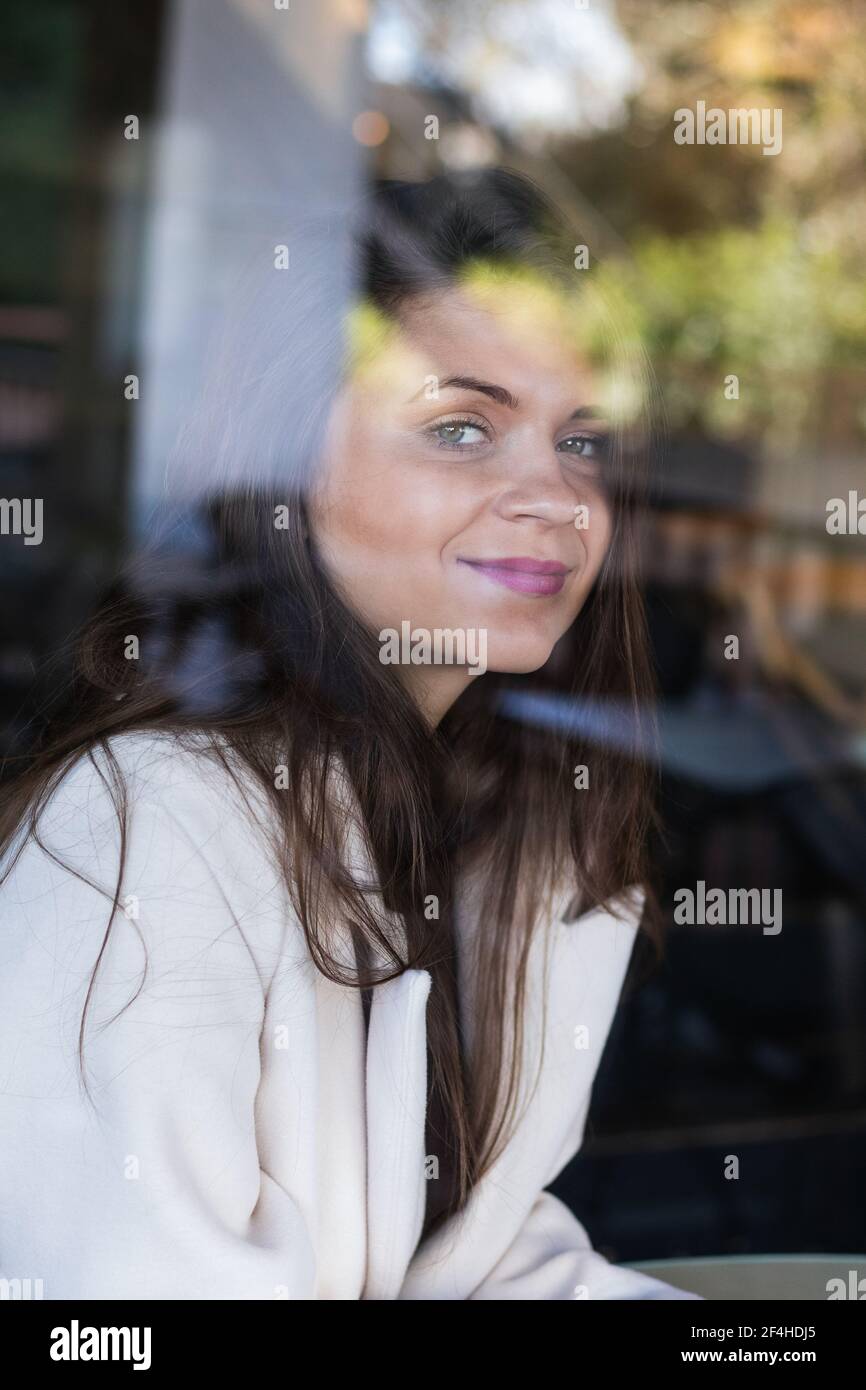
(523, 574)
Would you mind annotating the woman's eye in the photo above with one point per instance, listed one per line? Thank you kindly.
(458, 434)
(591, 446)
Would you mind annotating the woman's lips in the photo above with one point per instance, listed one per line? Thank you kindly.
(523, 574)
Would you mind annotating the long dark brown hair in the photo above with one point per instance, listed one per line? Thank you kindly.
(301, 685)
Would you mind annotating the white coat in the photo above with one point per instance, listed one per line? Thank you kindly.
(245, 1139)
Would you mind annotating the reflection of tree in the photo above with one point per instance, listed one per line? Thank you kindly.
(806, 58)
(758, 303)
(738, 262)
(754, 264)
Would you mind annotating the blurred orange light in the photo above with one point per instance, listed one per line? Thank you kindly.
(370, 128)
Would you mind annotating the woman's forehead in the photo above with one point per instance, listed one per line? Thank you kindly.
(458, 334)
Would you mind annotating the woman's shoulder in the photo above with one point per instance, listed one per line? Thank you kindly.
(151, 760)
(177, 925)
(188, 777)
(174, 817)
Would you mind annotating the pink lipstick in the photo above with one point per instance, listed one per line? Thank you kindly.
(523, 573)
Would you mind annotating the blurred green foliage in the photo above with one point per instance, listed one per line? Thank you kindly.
(739, 263)
(760, 303)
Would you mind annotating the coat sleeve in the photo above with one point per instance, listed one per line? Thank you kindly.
(552, 1257)
(148, 1184)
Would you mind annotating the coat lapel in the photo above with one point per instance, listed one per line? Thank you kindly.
(580, 966)
(396, 1108)
(574, 969)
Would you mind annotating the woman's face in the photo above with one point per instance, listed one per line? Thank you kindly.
(462, 490)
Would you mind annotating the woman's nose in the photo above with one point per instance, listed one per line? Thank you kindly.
(535, 487)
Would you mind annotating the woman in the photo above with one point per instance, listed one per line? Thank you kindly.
(309, 947)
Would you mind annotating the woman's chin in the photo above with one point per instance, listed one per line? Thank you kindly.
(517, 658)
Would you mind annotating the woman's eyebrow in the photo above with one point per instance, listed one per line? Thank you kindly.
(502, 396)
(486, 388)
